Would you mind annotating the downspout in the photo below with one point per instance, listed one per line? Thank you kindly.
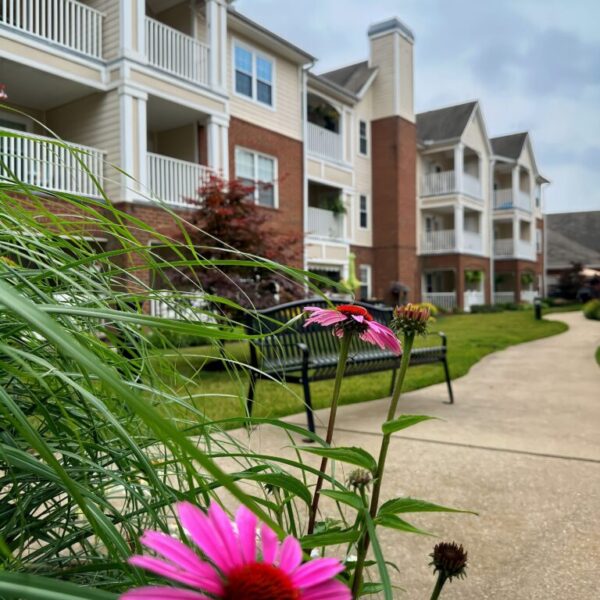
(491, 233)
(303, 103)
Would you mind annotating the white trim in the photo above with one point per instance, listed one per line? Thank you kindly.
(255, 54)
(256, 154)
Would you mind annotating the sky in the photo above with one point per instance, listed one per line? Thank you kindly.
(533, 64)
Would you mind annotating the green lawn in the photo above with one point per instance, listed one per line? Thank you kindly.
(598, 355)
(470, 337)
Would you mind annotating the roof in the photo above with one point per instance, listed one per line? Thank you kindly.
(573, 237)
(443, 124)
(288, 49)
(352, 78)
(509, 146)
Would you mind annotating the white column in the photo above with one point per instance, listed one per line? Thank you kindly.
(459, 223)
(217, 130)
(225, 150)
(133, 143)
(132, 35)
(216, 19)
(515, 184)
(515, 227)
(459, 166)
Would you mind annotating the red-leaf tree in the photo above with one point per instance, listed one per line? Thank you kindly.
(227, 224)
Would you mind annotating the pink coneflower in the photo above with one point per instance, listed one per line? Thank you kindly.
(348, 318)
(235, 568)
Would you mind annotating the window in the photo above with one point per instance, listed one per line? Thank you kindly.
(260, 171)
(363, 212)
(364, 274)
(538, 240)
(253, 75)
(363, 142)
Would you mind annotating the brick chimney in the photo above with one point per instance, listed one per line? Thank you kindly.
(394, 148)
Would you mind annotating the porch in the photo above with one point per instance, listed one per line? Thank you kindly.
(518, 285)
(452, 228)
(326, 214)
(513, 238)
(454, 171)
(450, 289)
(323, 128)
(512, 187)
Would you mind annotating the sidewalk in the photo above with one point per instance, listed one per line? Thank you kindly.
(521, 446)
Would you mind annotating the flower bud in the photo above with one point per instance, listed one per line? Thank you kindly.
(449, 559)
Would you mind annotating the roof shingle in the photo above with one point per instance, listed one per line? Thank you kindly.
(509, 146)
(352, 77)
(444, 123)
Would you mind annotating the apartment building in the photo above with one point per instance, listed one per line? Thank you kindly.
(170, 90)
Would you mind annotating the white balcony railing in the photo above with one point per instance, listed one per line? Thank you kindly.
(471, 185)
(170, 304)
(525, 250)
(504, 297)
(472, 241)
(503, 247)
(445, 300)
(325, 223)
(433, 242)
(505, 199)
(175, 181)
(176, 52)
(528, 296)
(473, 297)
(50, 164)
(433, 184)
(64, 22)
(323, 142)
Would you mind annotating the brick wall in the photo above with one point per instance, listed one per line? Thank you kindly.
(288, 152)
(394, 149)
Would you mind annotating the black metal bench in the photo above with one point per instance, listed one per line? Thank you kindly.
(301, 355)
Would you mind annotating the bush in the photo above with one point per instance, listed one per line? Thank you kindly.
(486, 308)
(171, 339)
(591, 310)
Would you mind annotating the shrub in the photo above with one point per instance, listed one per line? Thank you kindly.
(591, 310)
(486, 308)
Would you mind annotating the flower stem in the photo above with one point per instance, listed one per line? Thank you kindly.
(439, 584)
(409, 338)
(339, 376)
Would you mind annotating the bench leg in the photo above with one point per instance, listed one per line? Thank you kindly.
(393, 381)
(448, 381)
(308, 405)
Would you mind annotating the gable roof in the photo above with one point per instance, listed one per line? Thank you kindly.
(444, 123)
(352, 78)
(509, 146)
(580, 230)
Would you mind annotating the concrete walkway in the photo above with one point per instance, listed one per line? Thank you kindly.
(521, 446)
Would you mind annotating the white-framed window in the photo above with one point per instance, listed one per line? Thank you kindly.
(363, 211)
(538, 240)
(363, 138)
(260, 171)
(9, 120)
(364, 275)
(254, 74)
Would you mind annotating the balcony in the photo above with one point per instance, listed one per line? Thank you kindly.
(504, 199)
(472, 298)
(175, 53)
(438, 242)
(175, 182)
(507, 248)
(324, 143)
(504, 297)
(50, 164)
(67, 23)
(437, 184)
(443, 241)
(445, 300)
(325, 223)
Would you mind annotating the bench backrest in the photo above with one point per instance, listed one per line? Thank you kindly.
(283, 345)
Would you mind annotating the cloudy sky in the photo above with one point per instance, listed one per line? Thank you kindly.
(534, 64)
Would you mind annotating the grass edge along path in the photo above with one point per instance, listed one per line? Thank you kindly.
(222, 395)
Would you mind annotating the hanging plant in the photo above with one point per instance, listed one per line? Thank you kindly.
(473, 276)
(335, 204)
(527, 278)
